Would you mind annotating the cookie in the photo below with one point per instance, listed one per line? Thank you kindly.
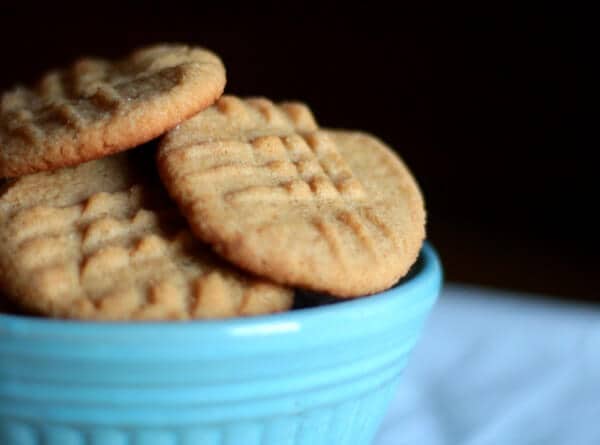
(331, 211)
(97, 107)
(103, 241)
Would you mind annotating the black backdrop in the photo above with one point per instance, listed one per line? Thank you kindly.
(484, 106)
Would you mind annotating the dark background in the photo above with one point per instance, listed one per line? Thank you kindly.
(485, 106)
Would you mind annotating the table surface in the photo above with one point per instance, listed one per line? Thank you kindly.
(494, 367)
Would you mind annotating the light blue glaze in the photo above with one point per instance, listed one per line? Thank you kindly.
(317, 376)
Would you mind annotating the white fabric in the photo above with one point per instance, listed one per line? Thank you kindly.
(499, 368)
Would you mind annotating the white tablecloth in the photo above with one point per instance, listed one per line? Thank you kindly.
(500, 368)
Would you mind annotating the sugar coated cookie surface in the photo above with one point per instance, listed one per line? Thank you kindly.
(97, 107)
(331, 211)
(102, 241)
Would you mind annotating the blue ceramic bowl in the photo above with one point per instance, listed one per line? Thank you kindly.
(315, 376)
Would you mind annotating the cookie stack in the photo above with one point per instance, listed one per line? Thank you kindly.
(240, 201)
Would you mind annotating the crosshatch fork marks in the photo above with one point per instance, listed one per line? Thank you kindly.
(371, 215)
(290, 170)
(359, 230)
(331, 236)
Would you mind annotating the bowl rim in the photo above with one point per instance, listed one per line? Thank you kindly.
(423, 284)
